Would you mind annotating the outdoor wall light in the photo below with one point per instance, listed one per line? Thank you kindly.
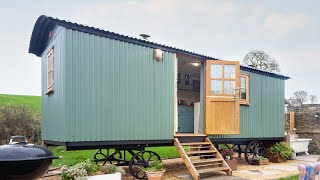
(196, 64)
(157, 54)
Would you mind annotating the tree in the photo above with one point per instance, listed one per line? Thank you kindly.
(261, 60)
(313, 99)
(18, 120)
(301, 96)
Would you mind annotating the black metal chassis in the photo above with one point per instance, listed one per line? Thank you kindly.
(134, 144)
(136, 148)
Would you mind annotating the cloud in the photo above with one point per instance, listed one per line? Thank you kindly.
(219, 17)
(151, 12)
(279, 24)
(302, 66)
(225, 29)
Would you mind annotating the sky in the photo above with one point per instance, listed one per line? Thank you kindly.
(288, 30)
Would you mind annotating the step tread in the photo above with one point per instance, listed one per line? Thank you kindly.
(198, 161)
(201, 152)
(195, 143)
(203, 156)
(200, 171)
(207, 164)
(199, 147)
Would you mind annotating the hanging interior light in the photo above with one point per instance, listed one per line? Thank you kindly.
(195, 64)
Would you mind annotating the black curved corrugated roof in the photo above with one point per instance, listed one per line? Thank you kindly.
(45, 24)
(253, 69)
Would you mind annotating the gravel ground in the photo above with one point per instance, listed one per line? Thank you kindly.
(270, 171)
(175, 167)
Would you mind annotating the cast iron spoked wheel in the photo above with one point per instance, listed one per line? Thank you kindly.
(101, 157)
(253, 149)
(142, 159)
(115, 157)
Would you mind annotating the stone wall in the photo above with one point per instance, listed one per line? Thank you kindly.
(308, 125)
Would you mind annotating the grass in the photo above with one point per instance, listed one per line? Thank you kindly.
(33, 102)
(70, 157)
(290, 178)
(73, 157)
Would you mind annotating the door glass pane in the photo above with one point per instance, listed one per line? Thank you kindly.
(230, 71)
(216, 87)
(229, 87)
(216, 71)
(243, 82)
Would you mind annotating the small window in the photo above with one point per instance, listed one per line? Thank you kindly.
(244, 89)
(50, 71)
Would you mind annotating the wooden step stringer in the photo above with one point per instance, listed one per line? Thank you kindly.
(224, 163)
(209, 158)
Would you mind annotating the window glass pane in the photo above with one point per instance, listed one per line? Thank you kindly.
(229, 87)
(216, 71)
(243, 82)
(186, 82)
(216, 87)
(229, 71)
(243, 94)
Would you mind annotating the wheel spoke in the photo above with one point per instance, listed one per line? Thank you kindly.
(100, 157)
(141, 159)
(140, 164)
(253, 149)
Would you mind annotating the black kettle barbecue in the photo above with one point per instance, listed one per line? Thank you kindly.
(20, 160)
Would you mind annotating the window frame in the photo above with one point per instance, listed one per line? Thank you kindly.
(50, 71)
(247, 100)
(224, 79)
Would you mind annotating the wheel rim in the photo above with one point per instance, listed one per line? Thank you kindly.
(142, 159)
(100, 157)
(253, 150)
(116, 156)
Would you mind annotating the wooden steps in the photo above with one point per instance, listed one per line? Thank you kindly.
(199, 147)
(201, 152)
(206, 160)
(202, 171)
(207, 165)
(195, 143)
(201, 158)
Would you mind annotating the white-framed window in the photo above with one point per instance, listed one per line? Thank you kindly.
(244, 89)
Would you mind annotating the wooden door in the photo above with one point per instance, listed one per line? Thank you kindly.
(221, 102)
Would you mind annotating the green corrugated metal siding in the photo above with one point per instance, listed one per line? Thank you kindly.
(53, 106)
(264, 117)
(112, 90)
(116, 91)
